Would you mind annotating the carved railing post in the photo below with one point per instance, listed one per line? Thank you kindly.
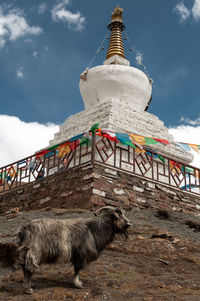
(93, 148)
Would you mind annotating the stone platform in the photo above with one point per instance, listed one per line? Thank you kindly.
(92, 186)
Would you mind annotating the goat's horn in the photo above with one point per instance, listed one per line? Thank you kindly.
(104, 208)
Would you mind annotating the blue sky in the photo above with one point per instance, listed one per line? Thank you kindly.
(45, 46)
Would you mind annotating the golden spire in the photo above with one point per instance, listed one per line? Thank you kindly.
(116, 26)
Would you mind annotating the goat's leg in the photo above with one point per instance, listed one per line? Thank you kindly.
(77, 282)
(27, 280)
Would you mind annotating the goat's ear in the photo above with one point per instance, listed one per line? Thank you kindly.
(118, 211)
(116, 214)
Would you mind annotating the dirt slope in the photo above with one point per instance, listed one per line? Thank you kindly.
(159, 262)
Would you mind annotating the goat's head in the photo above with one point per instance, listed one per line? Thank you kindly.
(121, 222)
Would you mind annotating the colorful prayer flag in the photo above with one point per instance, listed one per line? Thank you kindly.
(40, 154)
(184, 146)
(109, 135)
(189, 169)
(161, 140)
(63, 150)
(194, 147)
(150, 141)
(138, 139)
(12, 171)
(76, 137)
(53, 147)
(124, 139)
(73, 145)
(94, 128)
(31, 165)
(49, 154)
(86, 141)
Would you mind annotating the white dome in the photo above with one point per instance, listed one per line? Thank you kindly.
(117, 82)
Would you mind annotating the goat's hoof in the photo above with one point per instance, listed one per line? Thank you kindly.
(78, 284)
(29, 291)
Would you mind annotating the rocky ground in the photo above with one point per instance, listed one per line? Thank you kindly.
(159, 262)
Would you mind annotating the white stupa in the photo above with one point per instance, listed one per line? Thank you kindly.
(116, 96)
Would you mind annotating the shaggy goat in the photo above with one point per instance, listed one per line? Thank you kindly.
(79, 241)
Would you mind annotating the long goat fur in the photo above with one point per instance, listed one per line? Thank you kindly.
(79, 241)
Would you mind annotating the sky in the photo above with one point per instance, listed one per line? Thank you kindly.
(46, 44)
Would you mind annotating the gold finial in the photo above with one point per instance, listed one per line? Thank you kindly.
(116, 26)
(117, 14)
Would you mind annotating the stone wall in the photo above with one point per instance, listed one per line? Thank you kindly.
(93, 186)
(66, 189)
(113, 187)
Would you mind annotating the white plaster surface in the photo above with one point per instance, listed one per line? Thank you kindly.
(116, 82)
(120, 116)
(116, 59)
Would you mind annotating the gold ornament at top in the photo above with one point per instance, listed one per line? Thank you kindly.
(116, 26)
(117, 14)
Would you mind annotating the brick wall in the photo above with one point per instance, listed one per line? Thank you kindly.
(92, 186)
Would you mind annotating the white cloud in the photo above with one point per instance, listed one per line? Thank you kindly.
(188, 134)
(188, 121)
(20, 139)
(182, 11)
(139, 57)
(196, 10)
(35, 54)
(2, 42)
(13, 25)
(20, 73)
(42, 8)
(74, 20)
(185, 13)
